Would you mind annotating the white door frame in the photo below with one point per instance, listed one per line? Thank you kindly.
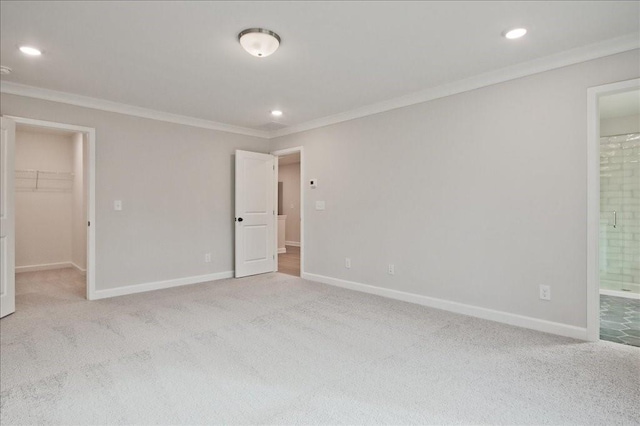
(593, 199)
(280, 153)
(90, 132)
(7, 219)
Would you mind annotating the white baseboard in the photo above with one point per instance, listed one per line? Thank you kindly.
(159, 285)
(627, 294)
(292, 243)
(78, 268)
(44, 267)
(282, 250)
(459, 308)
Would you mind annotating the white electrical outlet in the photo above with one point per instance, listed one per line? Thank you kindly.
(392, 269)
(545, 292)
(347, 263)
(207, 257)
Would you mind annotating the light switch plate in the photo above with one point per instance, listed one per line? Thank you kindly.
(319, 205)
(117, 205)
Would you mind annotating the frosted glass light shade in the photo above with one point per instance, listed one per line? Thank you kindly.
(259, 42)
(515, 33)
(31, 51)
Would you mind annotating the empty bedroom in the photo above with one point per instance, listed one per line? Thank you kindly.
(355, 212)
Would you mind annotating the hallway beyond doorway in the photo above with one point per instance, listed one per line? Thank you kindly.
(289, 262)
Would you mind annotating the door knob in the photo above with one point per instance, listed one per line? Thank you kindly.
(240, 219)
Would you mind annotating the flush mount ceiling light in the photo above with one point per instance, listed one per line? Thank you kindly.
(515, 33)
(276, 113)
(259, 42)
(31, 51)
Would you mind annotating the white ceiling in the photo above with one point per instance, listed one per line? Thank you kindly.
(620, 105)
(184, 57)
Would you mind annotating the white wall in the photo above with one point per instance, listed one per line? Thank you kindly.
(289, 175)
(43, 218)
(176, 184)
(476, 198)
(79, 209)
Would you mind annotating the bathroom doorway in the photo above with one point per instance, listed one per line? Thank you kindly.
(289, 203)
(620, 217)
(617, 141)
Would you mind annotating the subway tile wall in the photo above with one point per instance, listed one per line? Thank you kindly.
(620, 192)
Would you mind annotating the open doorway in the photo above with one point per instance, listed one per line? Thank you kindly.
(620, 217)
(289, 204)
(50, 212)
(615, 226)
(54, 175)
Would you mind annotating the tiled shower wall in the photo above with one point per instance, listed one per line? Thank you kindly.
(620, 192)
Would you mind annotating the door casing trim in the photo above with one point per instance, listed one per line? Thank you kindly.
(593, 198)
(90, 133)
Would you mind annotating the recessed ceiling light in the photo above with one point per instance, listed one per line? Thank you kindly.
(31, 51)
(259, 42)
(276, 113)
(515, 33)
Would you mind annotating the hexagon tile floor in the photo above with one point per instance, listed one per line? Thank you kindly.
(620, 320)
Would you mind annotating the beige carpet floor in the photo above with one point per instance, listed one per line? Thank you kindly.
(276, 349)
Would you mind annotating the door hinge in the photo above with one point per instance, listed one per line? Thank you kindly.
(89, 223)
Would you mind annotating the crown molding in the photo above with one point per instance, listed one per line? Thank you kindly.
(104, 105)
(547, 63)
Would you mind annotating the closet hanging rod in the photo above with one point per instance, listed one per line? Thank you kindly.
(43, 171)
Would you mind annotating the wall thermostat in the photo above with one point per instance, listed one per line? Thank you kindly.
(313, 183)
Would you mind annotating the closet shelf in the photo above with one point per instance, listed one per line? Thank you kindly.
(43, 180)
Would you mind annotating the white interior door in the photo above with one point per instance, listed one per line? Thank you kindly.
(255, 213)
(7, 222)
